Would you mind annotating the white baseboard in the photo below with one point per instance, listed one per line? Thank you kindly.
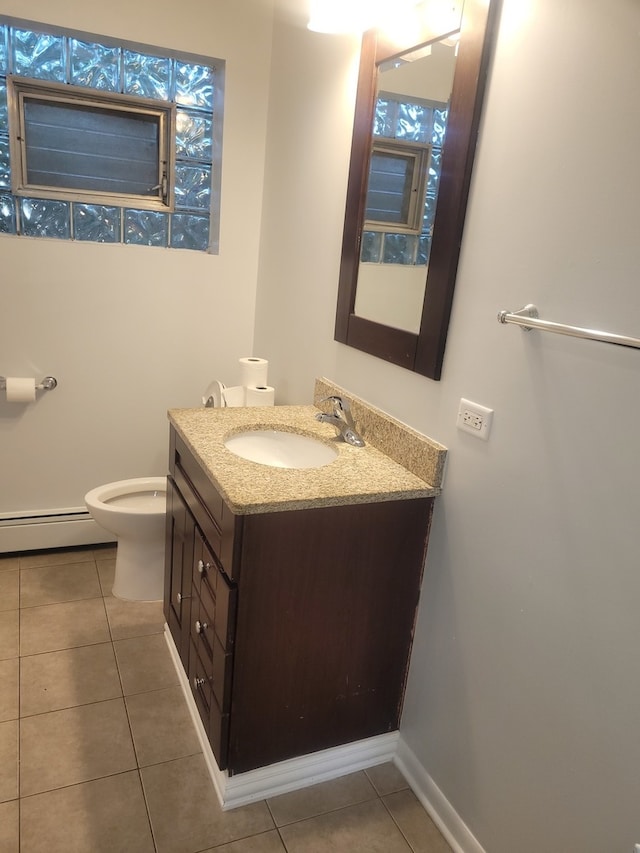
(446, 818)
(288, 775)
(51, 534)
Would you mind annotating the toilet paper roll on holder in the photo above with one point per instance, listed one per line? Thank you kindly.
(47, 384)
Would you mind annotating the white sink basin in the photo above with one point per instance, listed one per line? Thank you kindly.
(281, 449)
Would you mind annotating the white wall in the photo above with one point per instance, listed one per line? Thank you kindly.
(524, 693)
(131, 331)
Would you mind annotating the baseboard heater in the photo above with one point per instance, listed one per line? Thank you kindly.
(33, 530)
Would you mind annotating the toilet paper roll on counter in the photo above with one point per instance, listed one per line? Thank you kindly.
(20, 389)
(234, 396)
(260, 395)
(253, 371)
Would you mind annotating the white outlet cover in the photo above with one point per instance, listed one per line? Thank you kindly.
(474, 419)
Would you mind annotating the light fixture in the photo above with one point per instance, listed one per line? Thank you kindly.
(353, 16)
(341, 16)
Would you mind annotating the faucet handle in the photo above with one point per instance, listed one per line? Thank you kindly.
(339, 405)
(341, 419)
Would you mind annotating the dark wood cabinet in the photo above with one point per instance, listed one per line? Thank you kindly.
(294, 627)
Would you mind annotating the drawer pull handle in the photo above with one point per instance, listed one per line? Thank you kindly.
(203, 567)
(180, 597)
(200, 626)
(198, 683)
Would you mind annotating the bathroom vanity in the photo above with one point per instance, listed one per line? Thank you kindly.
(291, 595)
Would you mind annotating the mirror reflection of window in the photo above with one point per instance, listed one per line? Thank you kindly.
(423, 124)
(410, 115)
(397, 182)
(411, 108)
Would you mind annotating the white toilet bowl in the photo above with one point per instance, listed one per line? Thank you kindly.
(134, 510)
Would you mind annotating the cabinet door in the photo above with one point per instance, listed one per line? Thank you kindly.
(178, 562)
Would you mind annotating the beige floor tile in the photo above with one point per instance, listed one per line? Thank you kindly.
(64, 679)
(321, 798)
(75, 745)
(107, 551)
(8, 564)
(63, 626)
(415, 824)
(386, 778)
(268, 842)
(9, 690)
(102, 816)
(52, 584)
(9, 587)
(133, 618)
(9, 827)
(9, 634)
(364, 828)
(8, 760)
(56, 557)
(145, 664)
(161, 726)
(185, 814)
(106, 574)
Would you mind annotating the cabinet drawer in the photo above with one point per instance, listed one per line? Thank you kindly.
(205, 566)
(202, 633)
(200, 685)
(215, 661)
(217, 593)
(215, 722)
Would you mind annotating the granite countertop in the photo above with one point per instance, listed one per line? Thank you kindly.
(358, 474)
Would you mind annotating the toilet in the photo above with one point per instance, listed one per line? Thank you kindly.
(134, 510)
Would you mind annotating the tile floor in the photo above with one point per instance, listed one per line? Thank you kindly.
(98, 753)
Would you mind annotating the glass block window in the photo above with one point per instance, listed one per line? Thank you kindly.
(408, 124)
(94, 65)
(101, 74)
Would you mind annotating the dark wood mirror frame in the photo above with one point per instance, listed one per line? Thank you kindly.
(422, 352)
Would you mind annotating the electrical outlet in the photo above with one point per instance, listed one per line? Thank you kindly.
(474, 418)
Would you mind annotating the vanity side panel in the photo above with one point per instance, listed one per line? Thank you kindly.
(326, 610)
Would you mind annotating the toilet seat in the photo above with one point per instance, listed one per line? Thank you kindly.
(145, 500)
(114, 496)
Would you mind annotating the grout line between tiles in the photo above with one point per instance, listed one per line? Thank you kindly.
(148, 811)
(400, 830)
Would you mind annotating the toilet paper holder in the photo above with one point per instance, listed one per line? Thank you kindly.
(47, 384)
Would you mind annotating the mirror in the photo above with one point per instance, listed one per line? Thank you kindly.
(417, 114)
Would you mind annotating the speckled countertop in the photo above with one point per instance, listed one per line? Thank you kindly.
(358, 474)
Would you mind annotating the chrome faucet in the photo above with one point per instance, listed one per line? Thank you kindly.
(342, 420)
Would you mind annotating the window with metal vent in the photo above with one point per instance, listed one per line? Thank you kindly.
(71, 145)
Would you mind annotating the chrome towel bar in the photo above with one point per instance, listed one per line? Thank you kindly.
(528, 319)
(47, 384)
